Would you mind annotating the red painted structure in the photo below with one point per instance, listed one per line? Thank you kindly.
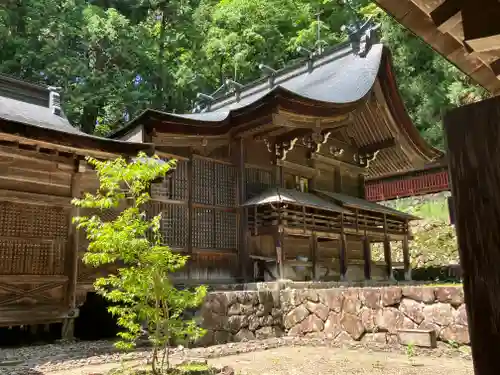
(425, 181)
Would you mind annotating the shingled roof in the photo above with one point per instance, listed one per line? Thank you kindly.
(337, 77)
(28, 103)
(337, 82)
(26, 111)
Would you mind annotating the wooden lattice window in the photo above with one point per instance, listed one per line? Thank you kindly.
(33, 221)
(174, 225)
(225, 192)
(174, 186)
(257, 181)
(32, 239)
(203, 228)
(215, 183)
(204, 181)
(226, 233)
(31, 257)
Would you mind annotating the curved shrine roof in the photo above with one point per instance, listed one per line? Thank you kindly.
(337, 82)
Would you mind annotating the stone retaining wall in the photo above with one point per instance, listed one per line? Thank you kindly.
(341, 314)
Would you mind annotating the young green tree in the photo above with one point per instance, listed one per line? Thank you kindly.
(141, 289)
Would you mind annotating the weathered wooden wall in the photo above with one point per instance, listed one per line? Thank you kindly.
(35, 191)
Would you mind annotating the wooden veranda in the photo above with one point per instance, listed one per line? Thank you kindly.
(320, 216)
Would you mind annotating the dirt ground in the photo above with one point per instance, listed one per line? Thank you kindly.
(321, 360)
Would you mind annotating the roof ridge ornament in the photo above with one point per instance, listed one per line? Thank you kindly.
(310, 56)
(362, 36)
(271, 73)
(207, 99)
(235, 86)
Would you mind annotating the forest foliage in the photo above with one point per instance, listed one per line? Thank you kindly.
(114, 58)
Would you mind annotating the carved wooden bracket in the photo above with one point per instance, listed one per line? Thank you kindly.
(365, 159)
(337, 152)
(315, 140)
(280, 148)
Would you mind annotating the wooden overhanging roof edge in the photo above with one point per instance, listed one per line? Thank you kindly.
(361, 204)
(415, 20)
(223, 115)
(394, 100)
(219, 122)
(291, 196)
(75, 143)
(436, 166)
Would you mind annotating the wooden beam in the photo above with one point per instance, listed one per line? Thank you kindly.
(481, 24)
(302, 169)
(337, 163)
(377, 146)
(451, 23)
(446, 11)
(495, 67)
(474, 165)
(55, 146)
(72, 255)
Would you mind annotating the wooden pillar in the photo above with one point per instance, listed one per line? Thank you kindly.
(387, 252)
(361, 186)
(314, 250)
(343, 251)
(243, 257)
(367, 257)
(473, 138)
(280, 254)
(343, 257)
(406, 258)
(388, 258)
(190, 214)
(72, 257)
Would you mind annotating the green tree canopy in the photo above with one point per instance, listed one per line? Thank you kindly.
(115, 58)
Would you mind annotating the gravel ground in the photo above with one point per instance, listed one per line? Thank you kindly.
(268, 357)
(335, 361)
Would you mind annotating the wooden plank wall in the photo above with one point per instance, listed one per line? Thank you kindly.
(35, 208)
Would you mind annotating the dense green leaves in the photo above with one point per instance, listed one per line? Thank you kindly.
(141, 290)
(115, 58)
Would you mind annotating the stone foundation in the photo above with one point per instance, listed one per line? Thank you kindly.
(372, 314)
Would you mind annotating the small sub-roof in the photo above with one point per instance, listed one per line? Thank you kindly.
(358, 203)
(280, 195)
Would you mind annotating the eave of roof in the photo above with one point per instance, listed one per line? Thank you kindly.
(350, 202)
(281, 195)
(338, 78)
(25, 112)
(338, 83)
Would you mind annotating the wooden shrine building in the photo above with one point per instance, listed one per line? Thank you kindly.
(270, 179)
(269, 182)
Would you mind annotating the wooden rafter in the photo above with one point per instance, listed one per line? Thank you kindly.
(446, 11)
